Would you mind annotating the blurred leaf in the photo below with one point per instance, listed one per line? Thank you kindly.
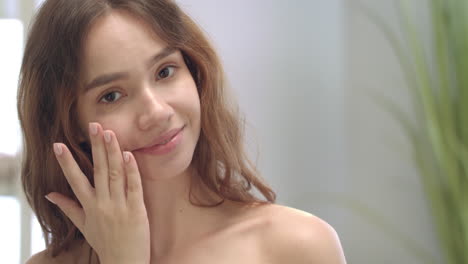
(437, 77)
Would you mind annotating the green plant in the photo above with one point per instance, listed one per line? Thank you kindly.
(437, 75)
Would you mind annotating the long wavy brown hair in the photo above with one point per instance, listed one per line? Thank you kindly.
(48, 91)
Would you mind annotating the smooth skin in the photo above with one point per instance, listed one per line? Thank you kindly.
(152, 98)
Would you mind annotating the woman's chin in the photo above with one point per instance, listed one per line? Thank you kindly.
(151, 170)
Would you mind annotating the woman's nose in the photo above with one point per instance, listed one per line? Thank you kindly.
(154, 111)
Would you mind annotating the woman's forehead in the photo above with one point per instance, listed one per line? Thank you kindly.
(119, 30)
(117, 41)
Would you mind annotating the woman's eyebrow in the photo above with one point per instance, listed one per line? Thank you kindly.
(112, 77)
(159, 56)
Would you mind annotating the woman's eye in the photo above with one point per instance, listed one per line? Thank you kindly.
(111, 97)
(166, 72)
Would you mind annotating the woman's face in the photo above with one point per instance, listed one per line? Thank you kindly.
(136, 86)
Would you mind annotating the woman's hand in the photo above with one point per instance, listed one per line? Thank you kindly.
(113, 219)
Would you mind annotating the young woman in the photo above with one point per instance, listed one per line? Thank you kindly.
(130, 135)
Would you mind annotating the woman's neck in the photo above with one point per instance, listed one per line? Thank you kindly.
(174, 220)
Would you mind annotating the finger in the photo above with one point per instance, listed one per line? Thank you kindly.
(98, 148)
(134, 187)
(75, 177)
(70, 208)
(115, 170)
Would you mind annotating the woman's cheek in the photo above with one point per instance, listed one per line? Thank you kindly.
(116, 127)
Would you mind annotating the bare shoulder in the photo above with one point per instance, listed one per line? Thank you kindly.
(38, 258)
(293, 236)
(77, 254)
(41, 258)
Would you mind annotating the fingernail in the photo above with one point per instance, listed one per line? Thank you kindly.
(50, 200)
(107, 136)
(93, 129)
(126, 156)
(58, 149)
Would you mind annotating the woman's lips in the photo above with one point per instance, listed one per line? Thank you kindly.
(173, 140)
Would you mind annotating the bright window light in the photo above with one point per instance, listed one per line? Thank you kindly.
(37, 239)
(11, 49)
(38, 2)
(10, 229)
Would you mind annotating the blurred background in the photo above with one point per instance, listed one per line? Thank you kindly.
(305, 73)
